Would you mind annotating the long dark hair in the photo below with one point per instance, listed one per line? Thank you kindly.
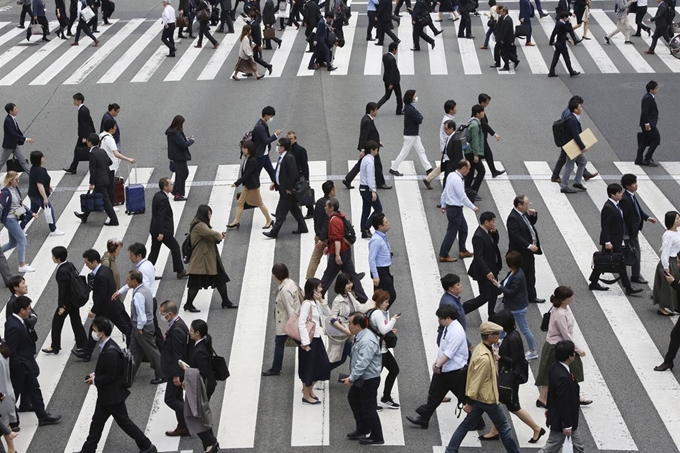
(310, 286)
(177, 123)
(202, 215)
(201, 327)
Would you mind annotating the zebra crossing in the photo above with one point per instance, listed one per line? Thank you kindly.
(238, 410)
(131, 52)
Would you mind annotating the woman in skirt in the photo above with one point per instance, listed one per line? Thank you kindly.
(561, 328)
(582, 13)
(250, 178)
(313, 364)
(205, 265)
(246, 62)
(340, 346)
(663, 295)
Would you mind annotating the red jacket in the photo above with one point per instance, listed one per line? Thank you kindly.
(336, 232)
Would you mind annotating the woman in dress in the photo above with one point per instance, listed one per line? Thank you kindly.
(205, 265)
(246, 61)
(582, 13)
(179, 155)
(39, 190)
(250, 179)
(561, 327)
(113, 248)
(340, 346)
(15, 216)
(313, 364)
(382, 323)
(663, 295)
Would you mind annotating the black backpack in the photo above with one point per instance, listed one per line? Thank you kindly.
(350, 235)
(558, 132)
(127, 371)
(80, 290)
(390, 337)
(187, 247)
(460, 136)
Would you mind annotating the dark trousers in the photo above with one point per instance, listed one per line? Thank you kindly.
(529, 268)
(366, 205)
(475, 176)
(659, 32)
(465, 27)
(386, 283)
(383, 28)
(120, 320)
(118, 411)
(204, 30)
(207, 438)
(73, 15)
(322, 52)
(561, 50)
(457, 227)
(488, 156)
(623, 274)
(108, 207)
(347, 266)
(389, 363)
(371, 24)
(167, 37)
(398, 6)
(29, 390)
(79, 144)
(181, 175)
(295, 13)
(42, 20)
(106, 9)
(279, 349)
(639, 18)
(673, 346)
(560, 163)
(288, 203)
(174, 399)
(487, 295)
(379, 178)
(25, 9)
(93, 22)
(441, 384)
(268, 42)
(364, 404)
(85, 28)
(509, 53)
(634, 244)
(225, 19)
(170, 242)
(78, 330)
(419, 32)
(388, 92)
(111, 188)
(650, 138)
(266, 163)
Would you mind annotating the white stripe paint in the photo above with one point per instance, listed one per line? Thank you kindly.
(342, 54)
(182, 66)
(104, 51)
(220, 55)
(373, 63)
(468, 52)
(599, 56)
(532, 55)
(30, 62)
(10, 54)
(151, 65)
(304, 63)
(422, 261)
(636, 60)
(548, 24)
(117, 69)
(405, 57)
(11, 34)
(437, 56)
(668, 59)
(282, 53)
(662, 389)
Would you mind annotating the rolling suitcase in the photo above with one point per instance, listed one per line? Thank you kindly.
(118, 191)
(135, 203)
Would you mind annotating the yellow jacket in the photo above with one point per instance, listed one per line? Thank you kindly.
(482, 383)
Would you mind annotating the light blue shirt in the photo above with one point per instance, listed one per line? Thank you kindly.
(372, 5)
(379, 253)
(367, 172)
(278, 166)
(366, 358)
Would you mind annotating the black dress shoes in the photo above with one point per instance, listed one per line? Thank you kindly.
(81, 355)
(347, 184)
(639, 280)
(269, 234)
(395, 173)
(651, 163)
(49, 420)
(537, 301)
(153, 449)
(356, 435)
(68, 170)
(385, 187)
(497, 173)
(191, 309)
(50, 351)
(597, 287)
(229, 304)
(418, 421)
(580, 186)
(630, 291)
(663, 367)
(496, 437)
(365, 234)
(81, 216)
(368, 441)
(157, 381)
(111, 224)
(300, 231)
(271, 372)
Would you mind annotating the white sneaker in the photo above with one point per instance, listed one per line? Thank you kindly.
(26, 268)
(57, 233)
(531, 355)
(116, 209)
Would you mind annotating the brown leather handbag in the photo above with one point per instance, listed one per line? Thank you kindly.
(269, 33)
(182, 21)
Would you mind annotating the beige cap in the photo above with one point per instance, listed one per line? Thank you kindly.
(489, 328)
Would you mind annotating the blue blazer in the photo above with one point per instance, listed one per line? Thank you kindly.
(321, 33)
(572, 129)
(13, 135)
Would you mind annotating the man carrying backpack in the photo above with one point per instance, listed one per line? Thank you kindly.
(111, 391)
(341, 236)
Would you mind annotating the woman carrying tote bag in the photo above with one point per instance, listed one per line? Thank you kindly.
(340, 346)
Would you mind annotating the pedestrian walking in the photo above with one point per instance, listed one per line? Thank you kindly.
(640, 13)
(15, 215)
(339, 344)
(368, 189)
(572, 131)
(84, 25)
(39, 191)
(486, 264)
(392, 77)
(246, 64)
(621, 9)
(452, 201)
(382, 324)
(474, 153)
(168, 20)
(649, 139)
(383, 21)
(380, 257)
(663, 19)
(203, 17)
(562, 31)
(179, 155)
(663, 294)
(162, 228)
(113, 248)
(302, 162)
(263, 140)
(368, 132)
(450, 154)
(420, 18)
(523, 238)
(412, 121)
(250, 179)
(634, 218)
(100, 180)
(85, 128)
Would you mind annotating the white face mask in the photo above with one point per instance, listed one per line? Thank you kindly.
(95, 336)
(415, 99)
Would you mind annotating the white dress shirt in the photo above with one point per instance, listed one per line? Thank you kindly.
(442, 135)
(670, 246)
(148, 277)
(453, 345)
(139, 303)
(108, 144)
(168, 15)
(278, 166)
(454, 192)
(367, 172)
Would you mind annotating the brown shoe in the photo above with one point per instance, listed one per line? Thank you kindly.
(178, 432)
(591, 176)
(651, 52)
(530, 44)
(465, 254)
(215, 46)
(96, 43)
(484, 47)
(557, 180)
(182, 274)
(447, 259)
(75, 44)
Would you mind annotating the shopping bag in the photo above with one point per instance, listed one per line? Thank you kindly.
(568, 446)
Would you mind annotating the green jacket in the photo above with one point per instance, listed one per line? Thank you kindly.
(475, 138)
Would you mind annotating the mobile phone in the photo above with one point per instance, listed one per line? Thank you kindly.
(666, 273)
(342, 377)
(398, 314)
(87, 376)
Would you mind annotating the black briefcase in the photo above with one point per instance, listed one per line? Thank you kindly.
(608, 262)
(82, 154)
(14, 164)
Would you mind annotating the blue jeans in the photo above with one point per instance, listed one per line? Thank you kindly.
(489, 32)
(279, 347)
(37, 203)
(368, 203)
(496, 415)
(523, 326)
(16, 238)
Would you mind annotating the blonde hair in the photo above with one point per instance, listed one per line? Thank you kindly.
(9, 177)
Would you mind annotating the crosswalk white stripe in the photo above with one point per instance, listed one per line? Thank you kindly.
(673, 169)
(11, 34)
(310, 424)
(599, 56)
(304, 63)
(53, 362)
(547, 24)
(607, 435)
(635, 59)
(10, 54)
(182, 66)
(468, 53)
(281, 54)
(492, 47)
(162, 418)
(424, 271)
(668, 59)
(220, 55)
(662, 388)
(342, 54)
(151, 65)
(104, 51)
(132, 53)
(63, 61)
(238, 420)
(28, 63)
(438, 57)
(373, 63)
(405, 58)
(532, 54)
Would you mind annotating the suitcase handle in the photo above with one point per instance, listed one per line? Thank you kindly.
(134, 167)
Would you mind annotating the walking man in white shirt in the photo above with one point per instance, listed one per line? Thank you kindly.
(168, 18)
(450, 110)
(452, 201)
(368, 189)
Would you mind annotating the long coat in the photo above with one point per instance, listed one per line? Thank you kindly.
(287, 303)
(204, 257)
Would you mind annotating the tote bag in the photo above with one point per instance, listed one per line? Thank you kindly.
(292, 328)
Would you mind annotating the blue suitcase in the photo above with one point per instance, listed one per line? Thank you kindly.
(135, 202)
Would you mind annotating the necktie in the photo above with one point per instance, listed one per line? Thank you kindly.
(531, 229)
(278, 161)
(637, 206)
(573, 378)
(445, 330)
(90, 280)
(446, 145)
(625, 230)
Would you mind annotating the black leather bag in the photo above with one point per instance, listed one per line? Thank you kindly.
(608, 262)
(506, 385)
(545, 322)
(521, 30)
(14, 164)
(301, 189)
(219, 366)
(82, 153)
(245, 205)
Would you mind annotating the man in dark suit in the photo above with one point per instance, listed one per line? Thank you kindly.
(286, 175)
(111, 394)
(13, 138)
(662, 20)
(322, 50)
(484, 100)
(486, 263)
(162, 228)
(99, 180)
(263, 140)
(613, 232)
(465, 7)
(523, 238)
(392, 78)
(506, 35)
(23, 368)
(383, 22)
(563, 401)
(65, 304)
(572, 131)
(174, 349)
(634, 217)
(367, 132)
(311, 15)
(302, 162)
(558, 38)
(649, 137)
(103, 286)
(85, 129)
